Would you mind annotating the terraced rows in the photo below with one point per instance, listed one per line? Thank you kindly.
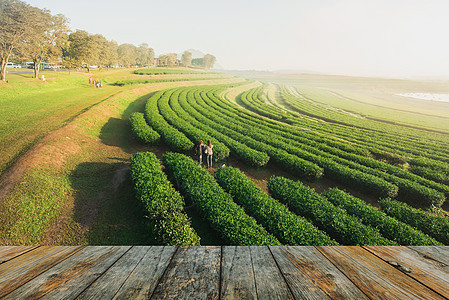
(183, 116)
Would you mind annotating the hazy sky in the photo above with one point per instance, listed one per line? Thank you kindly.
(398, 38)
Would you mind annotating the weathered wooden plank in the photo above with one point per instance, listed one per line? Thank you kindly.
(194, 272)
(373, 276)
(20, 270)
(9, 252)
(431, 273)
(237, 276)
(110, 282)
(69, 278)
(440, 254)
(270, 283)
(143, 280)
(310, 275)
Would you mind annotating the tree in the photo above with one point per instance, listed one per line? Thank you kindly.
(83, 49)
(150, 56)
(127, 54)
(145, 55)
(187, 59)
(47, 39)
(208, 61)
(107, 51)
(17, 19)
(168, 60)
(198, 62)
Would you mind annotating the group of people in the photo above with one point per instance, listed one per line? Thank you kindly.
(207, 149)
(95, 83)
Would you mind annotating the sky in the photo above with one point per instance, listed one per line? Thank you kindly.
(387, 38)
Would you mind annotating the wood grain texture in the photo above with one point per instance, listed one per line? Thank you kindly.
(110, 282)
(237, 276)
(194, 272)
(310, 275)
(143, 280)
(20, 270)
(431, 273)
(9, 252)
(69, 278)
(270, 283)
(440, 254)
(375, 277)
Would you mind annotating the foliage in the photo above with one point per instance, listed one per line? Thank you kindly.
(142, 130)
(391, 228)
(186, 59)
(208, 61)
(18, 23)
(168, 60)
(193, 133)
(437, 227)
(289, 228)
(225, 216)
(171, 136)
(163, 203)
(346, 229)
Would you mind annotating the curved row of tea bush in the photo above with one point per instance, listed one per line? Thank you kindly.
(249, 156)
(399, 142)
(390, 228)
(159, 80)
(164, 205)
(171, 136)
(193, 133)
(336, 167)
(346, 229)
(268, 138)
(225, 216)
(294, 164)
(436, 227)
(289, 228)
(142, 130)
(252, 100)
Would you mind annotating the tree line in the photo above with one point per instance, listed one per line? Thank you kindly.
(31, 33)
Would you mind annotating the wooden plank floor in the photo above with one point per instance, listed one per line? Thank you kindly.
(228, 272)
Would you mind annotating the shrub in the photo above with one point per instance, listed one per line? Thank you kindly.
(391, 228)
(289, 228)
(346, 229)
(142, 130)
(219, 209)
(437, 227)
(164, 205)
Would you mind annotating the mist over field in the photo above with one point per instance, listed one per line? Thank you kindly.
(368, 38)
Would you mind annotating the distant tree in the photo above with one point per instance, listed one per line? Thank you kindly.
(107, 51)
(198, 62)
(83, 49)
(150, 56)
(127, 54)
(187, 59)
(47, 39)
(169, 59)
(110, 54)
(145, 55)
(208, 61)
(17, 19)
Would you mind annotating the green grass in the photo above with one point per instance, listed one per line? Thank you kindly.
(30, 108)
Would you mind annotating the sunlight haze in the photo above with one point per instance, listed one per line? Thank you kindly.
(368, 38)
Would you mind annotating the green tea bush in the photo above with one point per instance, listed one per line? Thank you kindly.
(164, 205)
(225, 216)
